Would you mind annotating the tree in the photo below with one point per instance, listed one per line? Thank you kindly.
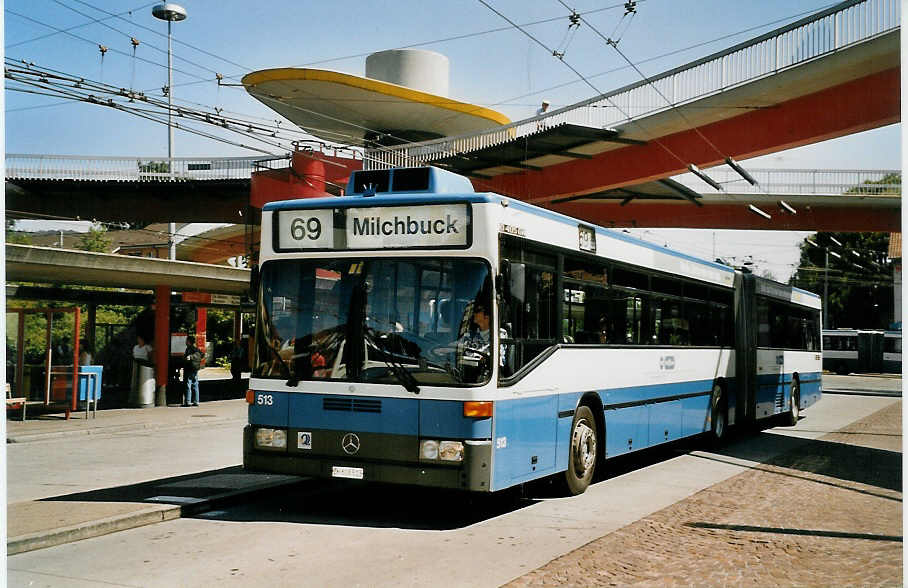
(858, 279)
(13, 236)
(859, 275)
(95, 239)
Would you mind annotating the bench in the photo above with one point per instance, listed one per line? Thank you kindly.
(12, 402)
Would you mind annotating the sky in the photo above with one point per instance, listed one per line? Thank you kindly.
(503, 70)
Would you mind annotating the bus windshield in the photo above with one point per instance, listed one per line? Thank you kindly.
(387, 320)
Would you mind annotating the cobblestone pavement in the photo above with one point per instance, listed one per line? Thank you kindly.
(827, 513)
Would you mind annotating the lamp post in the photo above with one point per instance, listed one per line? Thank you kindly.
(171, 13)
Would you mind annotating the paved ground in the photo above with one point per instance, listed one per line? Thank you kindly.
(769, 525)
(826, 514)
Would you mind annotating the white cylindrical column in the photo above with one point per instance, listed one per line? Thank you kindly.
(422, 70)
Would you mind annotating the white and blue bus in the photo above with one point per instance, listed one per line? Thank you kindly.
(417, 332)
(862, 351)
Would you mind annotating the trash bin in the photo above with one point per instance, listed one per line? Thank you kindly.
(141, 393)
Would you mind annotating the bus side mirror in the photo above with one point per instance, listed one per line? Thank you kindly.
(503, 280)
(254, 278)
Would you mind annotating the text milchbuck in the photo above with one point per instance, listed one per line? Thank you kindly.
(404, 226)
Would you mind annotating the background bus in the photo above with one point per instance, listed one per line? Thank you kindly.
(862, 351)
(417, 332)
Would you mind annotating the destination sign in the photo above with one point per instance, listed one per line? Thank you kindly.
(379, 227)
(437, 225)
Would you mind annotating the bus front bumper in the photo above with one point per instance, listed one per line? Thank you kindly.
(472, 474)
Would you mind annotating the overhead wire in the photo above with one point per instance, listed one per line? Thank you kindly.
(179, 42)
(114, 50)
(425, 43)
(132, 38)
(79, 26)
(590, 84)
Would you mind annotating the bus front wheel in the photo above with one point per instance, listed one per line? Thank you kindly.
(795, 412)
(584, 447)
(718, 416)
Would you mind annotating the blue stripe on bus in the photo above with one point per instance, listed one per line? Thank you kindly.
(396, 416)
(441, 419)
(529, 443)
(653, 392)
(444, 419)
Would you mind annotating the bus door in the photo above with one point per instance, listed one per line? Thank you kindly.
(526, 423)
(746, 327)
(870, 352)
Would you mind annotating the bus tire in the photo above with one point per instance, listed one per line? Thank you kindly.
(718, 417)
(795, 413)
(584, 451)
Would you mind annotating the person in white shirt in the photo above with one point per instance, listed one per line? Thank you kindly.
(142, 351)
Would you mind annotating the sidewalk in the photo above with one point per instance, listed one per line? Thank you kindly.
(49, 426)
(827, 513)
(37, 524)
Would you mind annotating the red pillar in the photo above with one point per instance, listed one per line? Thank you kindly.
(161, 343)
(201, 328)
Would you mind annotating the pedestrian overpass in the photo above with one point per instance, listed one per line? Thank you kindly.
(830, 74)
(112, 189)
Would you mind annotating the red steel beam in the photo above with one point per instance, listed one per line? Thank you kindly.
(866, 103)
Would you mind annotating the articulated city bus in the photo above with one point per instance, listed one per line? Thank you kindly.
(417, 332)
(862, 351)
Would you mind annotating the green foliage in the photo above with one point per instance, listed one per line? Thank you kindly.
(14, 236)
(885, 185)
(95, 239)
(858, 279)
(154, 167)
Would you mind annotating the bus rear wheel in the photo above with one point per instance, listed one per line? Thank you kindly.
(795, 412)
(584, 451)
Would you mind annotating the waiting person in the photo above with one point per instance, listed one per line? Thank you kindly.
(603, 329)
(238, 361)
(193, 363)
(84, 352)
(142, 352)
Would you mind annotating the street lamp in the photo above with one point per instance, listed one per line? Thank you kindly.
(171, 13)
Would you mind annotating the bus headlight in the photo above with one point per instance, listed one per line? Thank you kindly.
(450, 451)
(428, 449)
(272, 438)
(433, 450)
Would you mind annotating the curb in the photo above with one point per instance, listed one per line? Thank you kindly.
(146, 516)
(884, 393)
(35, 437)
(43, 539)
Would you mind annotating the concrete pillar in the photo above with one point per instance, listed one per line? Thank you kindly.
(161, 343)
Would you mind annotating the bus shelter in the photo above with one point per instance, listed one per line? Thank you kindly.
(43, 357)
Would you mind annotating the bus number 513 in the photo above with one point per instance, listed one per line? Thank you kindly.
(309, 228)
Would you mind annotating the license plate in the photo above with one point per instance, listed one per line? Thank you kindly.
(344, 472)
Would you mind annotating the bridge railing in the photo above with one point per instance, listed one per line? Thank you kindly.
(800, 181)
(844, 24)
(141, 169)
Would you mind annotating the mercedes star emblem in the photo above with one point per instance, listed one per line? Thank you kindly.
(350, 443)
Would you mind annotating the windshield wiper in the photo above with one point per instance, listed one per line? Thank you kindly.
(403, 375)
(293, 380)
